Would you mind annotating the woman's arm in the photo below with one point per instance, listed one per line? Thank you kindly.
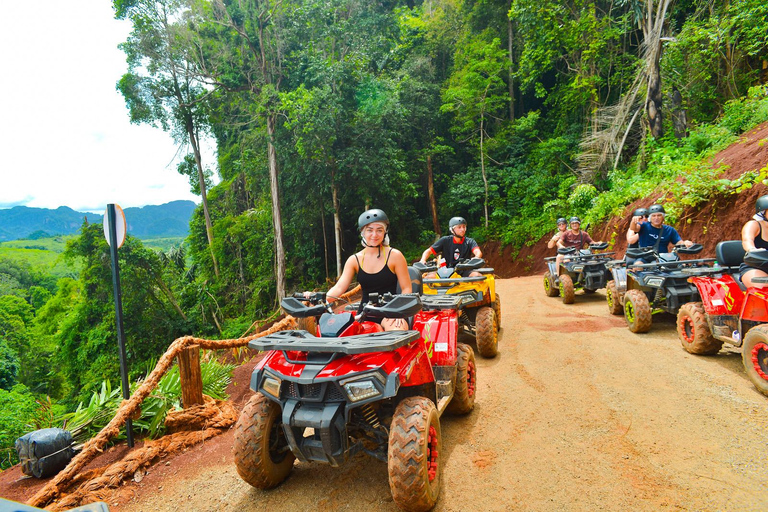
(748, 233)
(349, 272)
(399, 266)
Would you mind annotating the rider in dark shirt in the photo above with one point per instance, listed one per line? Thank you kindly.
(379, 268)
(455, 247)
(655, 233)
(752, 239)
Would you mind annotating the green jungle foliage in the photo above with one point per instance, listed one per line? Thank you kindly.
(341, 105)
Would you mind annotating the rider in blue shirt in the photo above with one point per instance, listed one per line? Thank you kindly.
(655, 233)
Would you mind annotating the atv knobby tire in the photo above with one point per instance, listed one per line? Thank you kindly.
(486, 334)
(637, 311)
(262, 456)
(693, 330)
(613, 297)
(754, 355)
(496, 305)
(566, 289)
(549, 285)
(415, 448)
(463, 400)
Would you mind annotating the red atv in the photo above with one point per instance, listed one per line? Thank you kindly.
(354, 388)
(729, 312)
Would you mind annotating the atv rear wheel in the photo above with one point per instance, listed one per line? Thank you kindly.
(693, 330)
(463, 399)
(613, 297)
(486, 334)
(754, 355)
(637, 311)
(566, 289)
(549, 286)
(262, 456)
(414, 453)
(496, 305)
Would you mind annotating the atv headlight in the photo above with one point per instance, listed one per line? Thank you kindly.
(271, 385)
(362, 387)
(655, 282)
(578, 268)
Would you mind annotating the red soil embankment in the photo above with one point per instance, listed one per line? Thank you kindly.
(720, 219)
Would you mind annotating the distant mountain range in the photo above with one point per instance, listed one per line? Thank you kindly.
(166, 220)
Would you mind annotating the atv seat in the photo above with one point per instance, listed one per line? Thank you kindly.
(730, 254)
(416, 283)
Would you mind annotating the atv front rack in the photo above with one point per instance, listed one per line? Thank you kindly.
(680, 264)
(709, 271)
(578, 257)
(302, 341)
(441, 302)
(456, 280)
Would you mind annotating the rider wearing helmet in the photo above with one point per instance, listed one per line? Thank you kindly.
(378, 267)
(562, 225)
(655, 233)
(455, 247)
(753, 239)
(574, 237)
(640, 216)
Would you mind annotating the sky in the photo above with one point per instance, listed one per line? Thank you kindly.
(65, 133)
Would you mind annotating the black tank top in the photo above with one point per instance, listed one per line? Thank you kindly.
(382, 281)
(759, 242)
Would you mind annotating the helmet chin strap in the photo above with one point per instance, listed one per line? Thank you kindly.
(759, 216)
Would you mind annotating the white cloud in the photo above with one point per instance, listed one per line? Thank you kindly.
(65, 134)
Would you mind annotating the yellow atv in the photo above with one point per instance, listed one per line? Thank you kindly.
(480, 314)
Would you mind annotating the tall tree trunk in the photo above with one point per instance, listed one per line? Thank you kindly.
(276, 215)
(482, 167)
(431, 194)
(652, 33)
(679, 114)
(511, 71)
(336, 223)
(203, 192)
(325, 238)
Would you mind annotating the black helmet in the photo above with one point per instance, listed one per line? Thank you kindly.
(656, 208)
(641, 212)
(761, 204)
(574, 219)
(373, 215)
(562, 220)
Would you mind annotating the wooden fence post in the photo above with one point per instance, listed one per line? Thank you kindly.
(190, 376)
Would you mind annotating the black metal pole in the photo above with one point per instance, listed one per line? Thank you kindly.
(119, 314)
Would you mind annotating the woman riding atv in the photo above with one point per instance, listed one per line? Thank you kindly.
(378, 267)
(753, 239)
(561, 227)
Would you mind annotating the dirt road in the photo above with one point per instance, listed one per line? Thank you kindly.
(576, 413)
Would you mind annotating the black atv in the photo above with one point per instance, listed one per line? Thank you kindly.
(580, 270)
(660, 286)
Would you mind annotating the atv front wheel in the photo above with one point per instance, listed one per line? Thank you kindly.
(693, 330)
(637, 311)
(566, 289)
(496, 305)
(754, 355)
(549, 287)
(262, 456)
(463, 399)
(614, 298)
(486, 334)
(414, 454)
